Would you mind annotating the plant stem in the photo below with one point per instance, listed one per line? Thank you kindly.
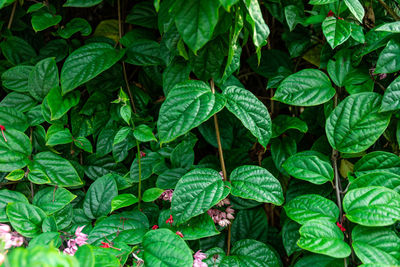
(221, 159)
(123, 63)
(140, 168)
(12, 15)
(337, 183)
(389, 10)
(220, 152)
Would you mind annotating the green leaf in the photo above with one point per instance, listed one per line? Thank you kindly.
(308, 87)
(385, 179)
(16, 78)
(42, 78)
(122, 201)
(144, 133)
(349, 128)
(290, 235)
(310, 166)
(147, 163)
(15, 175)
(49, 238)
(40, 256)
(122, 134)
(62, 136)
(248, 252)
(9, 196)
(356, 9)
(282, 123)
(170, 178)
(319, 260)
(98, 198)
(176, 72)
(260, 30)
(15, 153)
(388, 62)
(10, 117)
(42, 19)
(336, 31)
(323, 237)
(130, 229)
(25, 218)
(188, 105)
(59, 170)
(4, 3)
(19, 101)
(81, 3)
(250, 223)
(378, 161)
(391, 97)
(256, 183)
(250, 111)
(51, 200)
(16, 50)
(74, 26)
(84, 144)
(196, 192)
(372, 206)
(87, 62)
(59, 105)
(196, 20)
(144, 53)
(281, 150)
(164, 248)
(339, 68)
(321, 2)
(152, 194)
(389, 27)
(227, 4)
(198, 227)
(305, 208)
(376, 245)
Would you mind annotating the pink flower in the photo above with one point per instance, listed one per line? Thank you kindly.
(2, 258)
(222, 174)
(4, 228)
(2, 129)
(223, 202)
(198, 259)
(154, 227)
(224, 222)
(179, 233)
(81, 238)
(167, 195)
(105, 245)
(170, 220)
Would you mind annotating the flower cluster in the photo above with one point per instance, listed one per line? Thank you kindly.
(73, 244)
(10, 239)
(198, 259)
(167, 195)
(222, 218)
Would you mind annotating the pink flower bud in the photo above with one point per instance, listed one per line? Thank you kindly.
(4, 228)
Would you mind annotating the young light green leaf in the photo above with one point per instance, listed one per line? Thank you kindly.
(336, 31)
(308, 87)
(250, 111)
(310, 166)
(14, 154)
(260, 30)
(59, 105)
(391, 97)
(164, 248)
(152, 194)
(42, 19)
(376, 245)
(87, 62)
(372, 206)
(122, 201)
(256, 183)
(84, 143)
(349, 128)
(196, 192)
(323, 237)
(25, 218)
(98, 198)
(187, 106)
(15, 175)
(196, 20)
(389, 27)
(305, 208)
(144, 133)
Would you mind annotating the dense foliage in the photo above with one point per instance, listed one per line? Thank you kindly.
(200, 133)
